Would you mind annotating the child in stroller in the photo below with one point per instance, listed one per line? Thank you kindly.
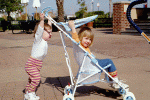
(85, 37)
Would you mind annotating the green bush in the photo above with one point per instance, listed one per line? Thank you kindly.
(2, 19)
(80, 14)
(18, 18)
(82, 10)
(9, 18)
(1, 29)
(94, 13)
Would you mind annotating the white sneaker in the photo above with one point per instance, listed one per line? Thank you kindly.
(26, 96)
(116, 86)
(31, 96)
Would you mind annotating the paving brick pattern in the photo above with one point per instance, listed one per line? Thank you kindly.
(129, 53)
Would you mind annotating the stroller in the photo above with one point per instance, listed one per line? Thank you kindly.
(89, 70)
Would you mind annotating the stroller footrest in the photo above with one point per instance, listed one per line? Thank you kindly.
(107, 66)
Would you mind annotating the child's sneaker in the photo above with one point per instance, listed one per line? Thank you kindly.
(116, 86)
(31, 96)
(26, 97)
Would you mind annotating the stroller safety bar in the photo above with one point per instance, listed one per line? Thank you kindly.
(47, 8)
(78, 22)
(46, 13)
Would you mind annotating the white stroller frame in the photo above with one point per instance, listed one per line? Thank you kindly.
(69, 90)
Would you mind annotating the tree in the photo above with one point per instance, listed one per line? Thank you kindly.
(60, 7)
(79, 1)
(82, 11)
(10, 6)
(110, 5)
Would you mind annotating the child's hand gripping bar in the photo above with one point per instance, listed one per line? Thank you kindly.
(78, 22)
(46, 10)
(131, 21)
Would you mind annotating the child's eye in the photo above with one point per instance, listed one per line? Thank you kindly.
(89, 38)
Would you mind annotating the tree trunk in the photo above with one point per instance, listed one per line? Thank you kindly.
(60, 8)
(9, 20)
(8, 17)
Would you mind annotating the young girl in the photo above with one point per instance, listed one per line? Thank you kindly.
(43, 33)
(85, 37)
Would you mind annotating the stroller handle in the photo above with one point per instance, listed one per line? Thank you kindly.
(46, 13)
(128, 14)
(49, 8)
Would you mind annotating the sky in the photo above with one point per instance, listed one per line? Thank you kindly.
(71, 6)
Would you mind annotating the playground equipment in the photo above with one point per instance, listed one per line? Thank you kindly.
(128, 14)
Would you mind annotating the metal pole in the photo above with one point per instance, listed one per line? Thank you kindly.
(26, 10)
(98, 5)
(92, 5)
(36, 13)
(110, 4)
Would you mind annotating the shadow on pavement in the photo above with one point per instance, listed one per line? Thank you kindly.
(60, 82)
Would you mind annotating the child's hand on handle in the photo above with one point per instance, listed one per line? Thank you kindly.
(72, 26)
(49, 20)
(42, 16)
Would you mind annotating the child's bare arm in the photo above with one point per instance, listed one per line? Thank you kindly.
(49, 22)
(74, 33)
(41, 20)
(72, 26)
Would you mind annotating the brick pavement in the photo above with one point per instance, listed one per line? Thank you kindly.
(15, 50)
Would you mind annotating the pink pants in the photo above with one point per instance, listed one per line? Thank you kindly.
(33, 67)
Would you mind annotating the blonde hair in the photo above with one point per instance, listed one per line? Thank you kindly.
(86, 32)
(46, 26)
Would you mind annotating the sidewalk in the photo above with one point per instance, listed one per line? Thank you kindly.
(130, 54)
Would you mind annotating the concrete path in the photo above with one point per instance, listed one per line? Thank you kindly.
(129, 53)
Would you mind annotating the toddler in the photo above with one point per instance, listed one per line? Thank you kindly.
(42, 34)
(85, 37)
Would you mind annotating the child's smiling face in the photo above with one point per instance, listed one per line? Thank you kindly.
(86, 42)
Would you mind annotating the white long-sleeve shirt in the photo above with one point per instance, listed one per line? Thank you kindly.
(40, 46)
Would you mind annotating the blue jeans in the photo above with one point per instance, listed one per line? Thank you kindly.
(105, 62)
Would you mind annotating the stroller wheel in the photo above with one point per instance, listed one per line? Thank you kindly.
(121, 91)
(68, 97)
(129, 96)
(69, 89)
